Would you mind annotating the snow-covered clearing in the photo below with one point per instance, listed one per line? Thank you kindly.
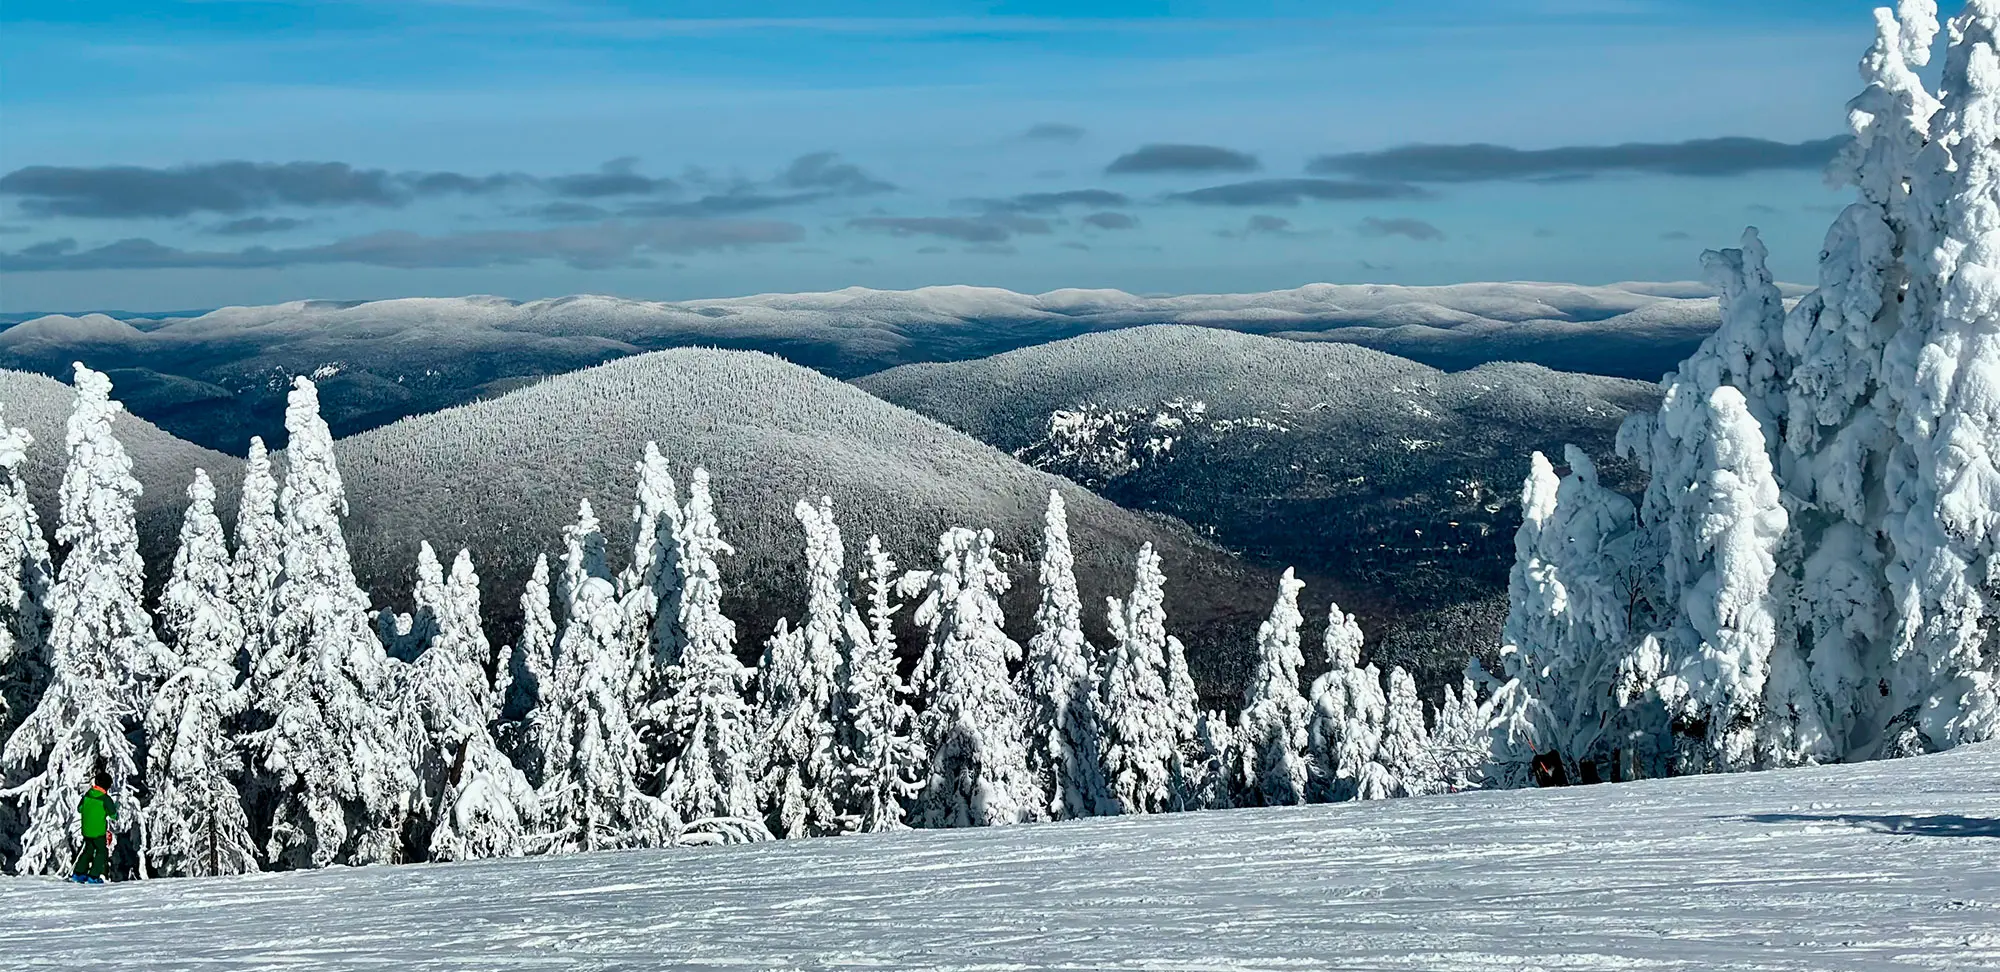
(1890, 865)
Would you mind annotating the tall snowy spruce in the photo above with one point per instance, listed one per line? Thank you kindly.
(971, 725)
(879, 750)
(1145, 701)
(1059, 683)
(104, 658)
(591, 753)
(649, 587)
(709, 782)
(259, 557)
(471, 801)
(531, 666)
(333, 752)
(1349, 712)
(1405, 752)
(195, 823)
(25, 576)
(797, 685)
(1273, 723)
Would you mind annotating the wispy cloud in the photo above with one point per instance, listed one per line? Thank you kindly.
(1181, 158)
(1415, 229)
(991, 228)
(1709, 157)
(1290, 192)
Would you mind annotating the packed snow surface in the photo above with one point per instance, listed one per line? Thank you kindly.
(1888, 865)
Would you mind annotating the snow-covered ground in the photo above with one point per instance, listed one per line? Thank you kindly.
(1878, 866)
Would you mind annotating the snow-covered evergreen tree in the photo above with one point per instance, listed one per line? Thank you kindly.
(878, 745)
(471, 801)
(25, 575)
(333, 751)
(104, 658)
(532, 663)
(1145, 702)
(1405, 752)
(710, 772)
(194, 819)
(1059, 683)
(259, 558)
(971, 724)
(650, 586)
(1349, 709)
(1273, 723)
(1941, 370)
(1459, 739)
(800, 774)
(592, 757)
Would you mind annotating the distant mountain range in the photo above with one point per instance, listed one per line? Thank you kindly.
(1391, 484)
(218, 378)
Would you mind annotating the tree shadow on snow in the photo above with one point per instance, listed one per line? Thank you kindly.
(1937, 825)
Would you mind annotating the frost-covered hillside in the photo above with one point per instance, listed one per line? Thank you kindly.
(215, 379)
(1397, 481)
(1878, 866)
(503, 477)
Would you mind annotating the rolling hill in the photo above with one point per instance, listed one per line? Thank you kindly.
(220, 377)
(1393, 482)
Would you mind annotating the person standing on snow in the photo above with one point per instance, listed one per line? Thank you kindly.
(98, 810)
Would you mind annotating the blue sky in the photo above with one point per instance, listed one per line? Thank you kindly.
(182, 155)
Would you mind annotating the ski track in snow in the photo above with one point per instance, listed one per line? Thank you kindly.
(1892, 865)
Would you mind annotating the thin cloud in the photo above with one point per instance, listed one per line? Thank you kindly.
(725, 204)
(1181, 158)
(125, 191)
(604, 245)
(1415, 229)
(1706, 157)
(1290, 192)
(1111, 221)
(1050, 202)
(1260, 224)
(990, 229)
(256, 225)
(825, 171)
(617, 177)
(1053, 132)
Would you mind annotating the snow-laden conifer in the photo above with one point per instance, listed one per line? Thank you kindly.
(1273, 724)
(1459, 740)
(1145, 712)
(592, 758)
(471, 800)
(1405, 752)
(1344, 731)
(1059, 684)
(879, 748)
(533, 660)
(258, 559)
(333, 750)
(1942, 370)
(650, 585)
(195, 823)
(710, 773)
(25, 575)
(104, 658)
(971, 724)
(801, 775)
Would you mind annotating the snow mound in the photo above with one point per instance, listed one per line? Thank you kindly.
(1875, 866)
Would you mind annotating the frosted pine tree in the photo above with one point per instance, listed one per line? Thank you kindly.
(1941, 370)
(471, 802)
(1405, 752)
(1459, 740)
(878, 746)
(1059, 683)
(1726, 531)
(104, 658)
(710, 772)
(333, 752)
(1273, 723)
(650, 586)
(194, 819)
(533, 660)
(801, 775)
(1349, 710)
(971, 724)
(25, 575)
(1138, 707)
(592, 757)
(259, 557)
(1841, 416)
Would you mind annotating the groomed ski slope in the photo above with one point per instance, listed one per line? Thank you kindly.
(1891, 865)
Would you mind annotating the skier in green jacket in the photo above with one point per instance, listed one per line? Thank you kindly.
(98, 810)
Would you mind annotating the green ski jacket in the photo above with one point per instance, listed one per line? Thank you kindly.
(97, 808)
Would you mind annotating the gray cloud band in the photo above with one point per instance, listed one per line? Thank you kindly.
(1708, 157)
(1290, 192)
